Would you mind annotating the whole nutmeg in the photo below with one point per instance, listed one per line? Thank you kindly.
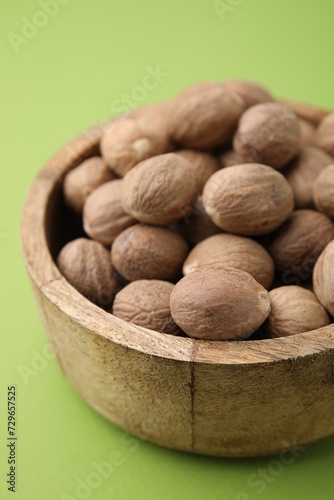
(251, 92)
(82, 180)
(87, 267)
(127, 142)
(155, 117)
(228, 250)
(324, 136)
(294, 310)
(323, 191)
(103, 216)
(219, 304)
(205, 116)
(312, 114)
(249, 199)
(228, 157)
(307, 132)
(146, 303)
(302, 172)
(149, 252)
(297, 244)
(160, 190)
(197, 225)
(323, 278)
(268, 133)
(204, 165)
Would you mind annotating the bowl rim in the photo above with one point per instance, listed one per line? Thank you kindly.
(47, 278)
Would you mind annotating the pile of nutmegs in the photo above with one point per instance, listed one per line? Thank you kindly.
(224, 185)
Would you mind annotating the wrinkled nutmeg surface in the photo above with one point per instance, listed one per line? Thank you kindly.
(312, 114)
(204, 165)
(86, 265)
(160, 190)
(323, 278)
(197, 225)
(219, 304)
(251, 92)
(294, 310)
(103, 216)
(249, 199)
(127, 142)
(205, 116)
(268, 133)
(302, 172)
(324, 136)
(297, 244)
(229, 250)
(323, 191)
(146, 303)
(149, 252)
(82, 180)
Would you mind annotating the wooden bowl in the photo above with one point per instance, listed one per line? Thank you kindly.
(217, 398)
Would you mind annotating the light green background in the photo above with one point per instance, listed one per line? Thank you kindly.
(65, 79)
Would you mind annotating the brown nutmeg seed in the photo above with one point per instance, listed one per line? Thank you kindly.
(197, 225)
(297, 244)
(82, 180)
(323, 191)
(204, 165)
(251, 92)
(160, 190)
(87, 267)
(127, 142)
(249, 199)
(229, 250)
(103, 216)
(205, 116)
(146, 303)
(219, 304)
(294, 310)
(302, 172)
(324, 136)
(309, 112)
(149, 252)
(323, 278)
(268, 133)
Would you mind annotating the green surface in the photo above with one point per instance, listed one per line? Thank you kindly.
(70, 74)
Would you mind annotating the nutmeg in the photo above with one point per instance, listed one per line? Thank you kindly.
(249, 199)
(82, 180)
(87, 267)
(268, 133)
(149, 252)
(205, 116)
(228, 157)
(204, 165)
(323, 191)
(324, 136)
(103, 216)
(219, 304)
(155, 117)
(197, 225)
(146, 303)
(309, 112)
(307, 132)
(323, 278)
(229, 250)
(294, 310)
(302, 172)
(251, 92)
(127, 142)
(160, 190)
(297, 244)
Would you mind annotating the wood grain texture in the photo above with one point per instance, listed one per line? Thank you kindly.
(217, 398)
